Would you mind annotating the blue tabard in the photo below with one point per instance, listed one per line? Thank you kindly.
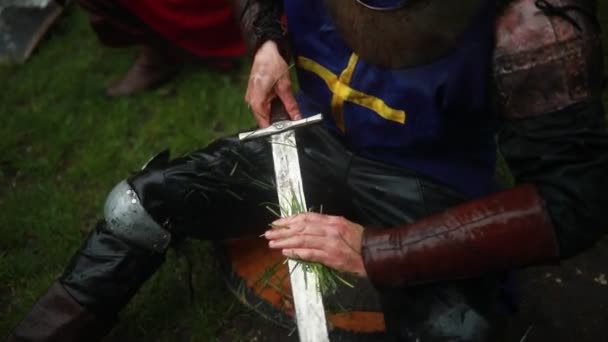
(434, 119)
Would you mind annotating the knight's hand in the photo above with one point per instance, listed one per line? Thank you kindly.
(270, 78)
(331, 240)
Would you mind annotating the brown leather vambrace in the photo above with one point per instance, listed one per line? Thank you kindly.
(506, 230)
(261, 21)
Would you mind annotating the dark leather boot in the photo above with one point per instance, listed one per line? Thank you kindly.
(152, 67)
(58, 317)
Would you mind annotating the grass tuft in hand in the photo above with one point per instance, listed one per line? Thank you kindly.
(328, 278)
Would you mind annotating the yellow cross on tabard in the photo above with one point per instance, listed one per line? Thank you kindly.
(341, 90)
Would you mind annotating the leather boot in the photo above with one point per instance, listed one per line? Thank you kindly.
(58, 317)
(152, 67)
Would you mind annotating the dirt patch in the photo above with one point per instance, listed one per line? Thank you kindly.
(567, 302)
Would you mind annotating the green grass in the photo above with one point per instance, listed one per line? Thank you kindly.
(327, 278)
(64, 146)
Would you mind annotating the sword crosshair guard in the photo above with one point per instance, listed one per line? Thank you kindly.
(417, 97)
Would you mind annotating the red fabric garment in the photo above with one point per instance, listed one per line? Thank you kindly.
(206, 28)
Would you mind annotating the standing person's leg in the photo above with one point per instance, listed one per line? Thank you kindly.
(215, 193)
(387, 196)
(115, 26)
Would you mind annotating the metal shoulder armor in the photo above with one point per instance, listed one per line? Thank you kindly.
(547, 57)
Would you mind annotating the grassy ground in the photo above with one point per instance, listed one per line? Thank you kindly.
(64, 145)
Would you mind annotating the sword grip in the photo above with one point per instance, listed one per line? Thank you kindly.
(277, 111)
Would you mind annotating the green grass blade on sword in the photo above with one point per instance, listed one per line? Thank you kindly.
(328, 278)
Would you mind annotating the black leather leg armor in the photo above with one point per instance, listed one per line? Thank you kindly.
(215, 193)
(221, 191)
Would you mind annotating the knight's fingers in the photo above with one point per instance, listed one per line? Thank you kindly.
(313, 255)
(282, 232)
(279, 233)
(301, 218)
(285, 93)
(259, 96)
(299, 241)
(261, 114)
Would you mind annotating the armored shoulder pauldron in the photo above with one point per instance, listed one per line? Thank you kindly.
(548, 56)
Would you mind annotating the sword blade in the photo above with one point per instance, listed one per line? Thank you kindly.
(310, 314)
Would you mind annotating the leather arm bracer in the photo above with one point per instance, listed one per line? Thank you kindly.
(506, 230)
(547, 74)
(261, 21)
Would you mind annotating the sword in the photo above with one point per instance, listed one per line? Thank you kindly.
(310, 314)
